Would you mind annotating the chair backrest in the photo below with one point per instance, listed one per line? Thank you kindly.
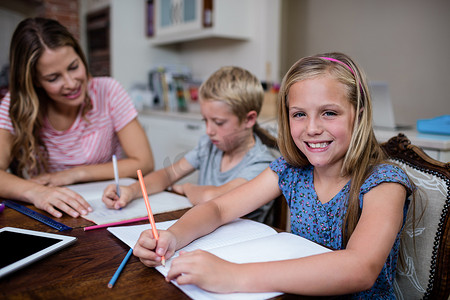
(425, 272)
(278, 215)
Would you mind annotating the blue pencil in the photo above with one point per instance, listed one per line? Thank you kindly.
(119, 270)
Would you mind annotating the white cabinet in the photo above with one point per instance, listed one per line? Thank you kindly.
(185, 20)
(171, 136)
(178, 16)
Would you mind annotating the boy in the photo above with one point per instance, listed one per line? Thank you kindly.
(229, 155)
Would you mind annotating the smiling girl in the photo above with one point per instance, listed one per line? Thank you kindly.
(59, 125)
(338, 186)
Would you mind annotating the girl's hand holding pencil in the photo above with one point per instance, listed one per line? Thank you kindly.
(150, 251)
(150, 215)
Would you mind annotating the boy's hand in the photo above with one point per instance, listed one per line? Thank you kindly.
(178, 188)
(112, 200)
(150, 251)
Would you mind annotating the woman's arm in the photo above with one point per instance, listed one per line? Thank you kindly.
(47, 198)
(135, 144)
(339, 272)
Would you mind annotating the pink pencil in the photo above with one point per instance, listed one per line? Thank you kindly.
(115, 223)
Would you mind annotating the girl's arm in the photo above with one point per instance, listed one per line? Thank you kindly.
(204, 218)
(201, 193)
(155, 182)
(339, 272)
(226, 208)
(135, 144)
(46, 198)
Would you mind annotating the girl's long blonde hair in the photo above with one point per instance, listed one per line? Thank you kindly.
(28, 102)
(364, 151)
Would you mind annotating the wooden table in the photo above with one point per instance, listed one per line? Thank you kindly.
(83, 270)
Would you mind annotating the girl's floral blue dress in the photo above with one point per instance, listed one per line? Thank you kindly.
(322, 222)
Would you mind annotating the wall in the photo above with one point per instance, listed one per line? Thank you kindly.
(12, 12)
(64, 11)
(133, 55)
(403, 42)
(8, 22)
(260, 55)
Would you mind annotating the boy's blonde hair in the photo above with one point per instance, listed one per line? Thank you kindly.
(364, 151)
(237, 87)
(241, 90)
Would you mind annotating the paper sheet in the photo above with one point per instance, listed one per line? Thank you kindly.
(160, 202)
(241, 241)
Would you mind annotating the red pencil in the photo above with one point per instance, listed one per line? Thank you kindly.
(149, 211)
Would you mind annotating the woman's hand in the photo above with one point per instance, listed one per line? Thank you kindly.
(204, 270)
(60, 178)
(150, 251)
(112, 200)
(53, 199)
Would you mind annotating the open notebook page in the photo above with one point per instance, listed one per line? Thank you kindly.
(279, 246)
(234, 232)
(240, 241)
(160, 202)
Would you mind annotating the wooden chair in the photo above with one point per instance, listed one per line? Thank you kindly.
(425, 273)
(278, 214)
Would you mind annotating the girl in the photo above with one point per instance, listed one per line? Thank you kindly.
(232, 152)
(340, 192)
(59, 126)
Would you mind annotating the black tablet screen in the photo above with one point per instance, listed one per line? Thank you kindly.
(16, 246)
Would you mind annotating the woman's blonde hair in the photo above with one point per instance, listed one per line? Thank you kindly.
(364, 151)
(28, 101)
(241, 90)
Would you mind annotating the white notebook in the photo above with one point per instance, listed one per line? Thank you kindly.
(241, 241)
(93, 192)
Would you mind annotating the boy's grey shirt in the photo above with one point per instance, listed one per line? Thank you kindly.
(206, 158)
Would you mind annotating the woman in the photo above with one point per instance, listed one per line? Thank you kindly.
(59, 125)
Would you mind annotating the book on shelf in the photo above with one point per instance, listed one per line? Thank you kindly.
(171, 87)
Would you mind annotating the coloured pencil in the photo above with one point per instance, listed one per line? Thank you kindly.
(115, 223)
(116, 174)
(149, 211)
(120, 268)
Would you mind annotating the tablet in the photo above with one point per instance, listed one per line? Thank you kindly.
(21, 247)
